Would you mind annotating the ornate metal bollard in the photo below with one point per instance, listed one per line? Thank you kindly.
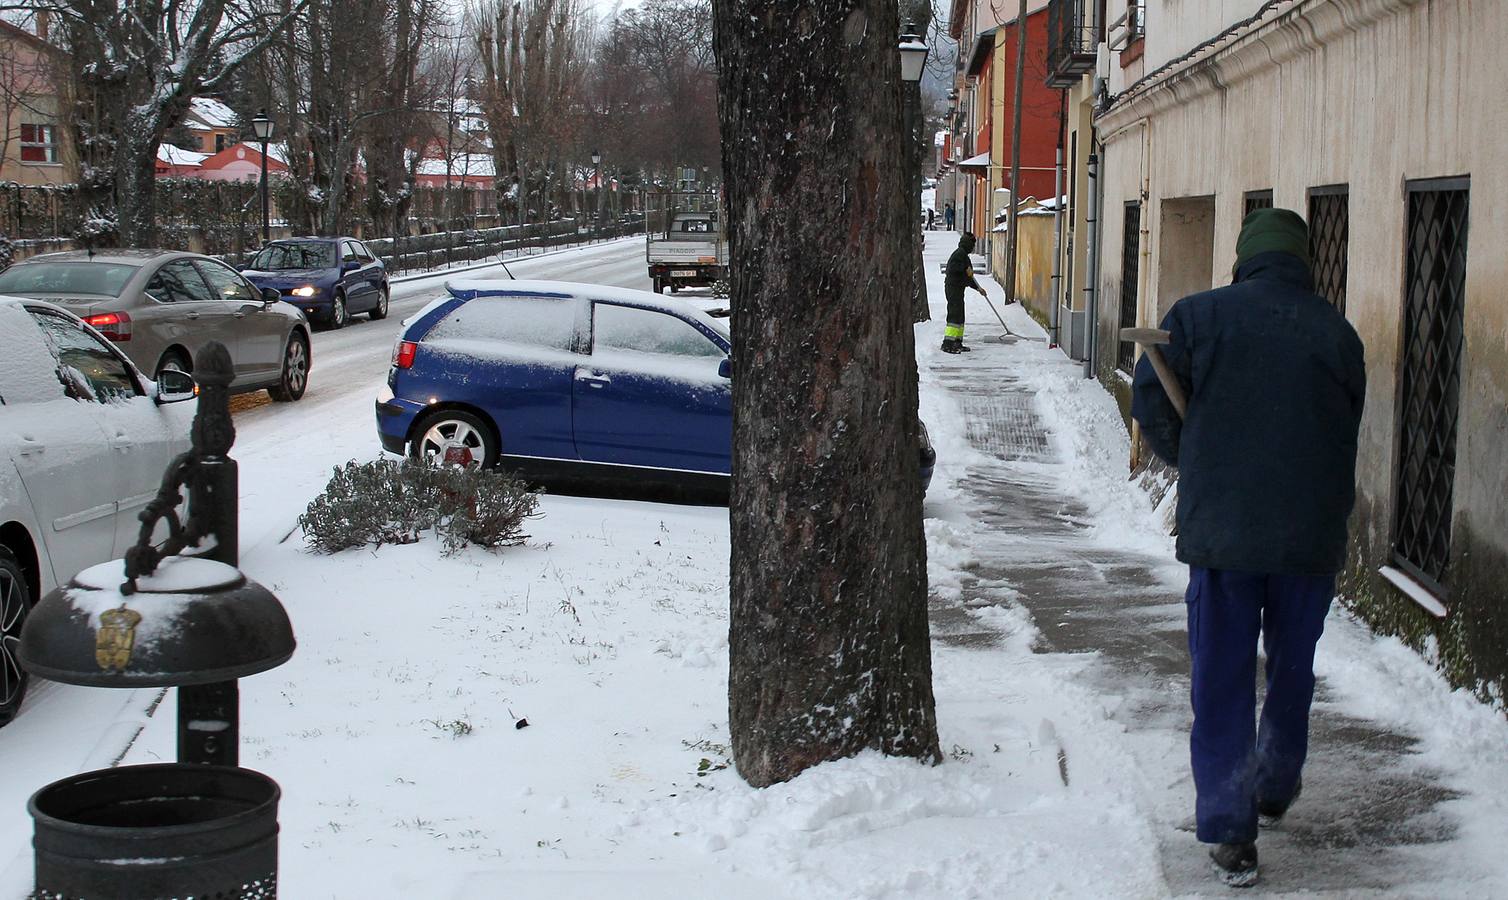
(176, 615)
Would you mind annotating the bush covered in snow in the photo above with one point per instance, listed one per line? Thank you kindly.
(394, 502)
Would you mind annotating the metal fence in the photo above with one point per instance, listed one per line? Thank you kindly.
(223, 218)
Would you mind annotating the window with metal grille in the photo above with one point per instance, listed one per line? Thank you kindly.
(1430, 390)
(1256, 200)
(1330, 241)
(1130, 272)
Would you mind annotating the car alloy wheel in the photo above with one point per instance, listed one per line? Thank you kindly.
(170, 363)
(295, 379)
(13, 602)
(338, 313)
(379, 312)
(455, 438)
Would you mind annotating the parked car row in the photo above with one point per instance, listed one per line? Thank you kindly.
(84, 441)
(567, 379)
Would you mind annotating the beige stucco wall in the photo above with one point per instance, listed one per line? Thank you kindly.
(1394, 90)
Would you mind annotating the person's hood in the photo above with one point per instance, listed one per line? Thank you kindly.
(966, 243)
(1272, 231)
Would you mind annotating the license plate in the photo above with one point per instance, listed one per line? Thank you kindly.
(683, 273)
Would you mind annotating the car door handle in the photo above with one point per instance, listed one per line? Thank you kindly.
(192, 315)
(595, 379)
(30, 446)
(121, 442)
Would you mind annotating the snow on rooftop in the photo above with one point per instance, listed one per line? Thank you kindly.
(464, 164)
(213, 113)
(177, 156)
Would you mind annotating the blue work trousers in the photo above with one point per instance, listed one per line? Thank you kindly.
(1236, 764)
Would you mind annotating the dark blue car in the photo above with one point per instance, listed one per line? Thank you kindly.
(330, 279)
(568, 380)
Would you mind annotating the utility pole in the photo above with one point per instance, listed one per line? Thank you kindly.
(1011, 236)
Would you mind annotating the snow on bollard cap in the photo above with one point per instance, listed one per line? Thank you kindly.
(192, 621)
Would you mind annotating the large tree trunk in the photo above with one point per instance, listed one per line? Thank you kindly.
(829, 652)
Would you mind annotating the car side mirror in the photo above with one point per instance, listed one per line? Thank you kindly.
(271, 295)
(725, 368)
(174, 386)
(350, 265)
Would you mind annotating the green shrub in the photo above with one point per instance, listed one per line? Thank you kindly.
(395, 502)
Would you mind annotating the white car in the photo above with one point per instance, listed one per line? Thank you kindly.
(84, 442)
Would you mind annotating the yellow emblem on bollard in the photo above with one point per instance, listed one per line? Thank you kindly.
(116, 638)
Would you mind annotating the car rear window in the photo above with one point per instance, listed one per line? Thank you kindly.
(532, 321)
(106, 279)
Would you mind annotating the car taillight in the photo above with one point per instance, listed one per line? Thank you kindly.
(404, 353)
(114, 326)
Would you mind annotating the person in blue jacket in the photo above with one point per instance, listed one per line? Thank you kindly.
(1266, 461)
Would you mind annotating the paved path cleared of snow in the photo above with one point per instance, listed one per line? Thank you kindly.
(1403, 794)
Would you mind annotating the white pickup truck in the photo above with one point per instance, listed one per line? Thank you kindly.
(689, 252)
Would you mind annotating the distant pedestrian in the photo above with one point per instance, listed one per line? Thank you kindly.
(949, 215)
(959, 275)
(931, 218)
(1267, 462)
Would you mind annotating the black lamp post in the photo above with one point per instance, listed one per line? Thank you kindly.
(597, 165)
(261, 126)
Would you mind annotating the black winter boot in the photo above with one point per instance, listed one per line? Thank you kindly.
(1236, 864)
(952, 345)
(1270, 814)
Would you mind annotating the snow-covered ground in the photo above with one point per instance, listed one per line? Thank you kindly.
(550, 721)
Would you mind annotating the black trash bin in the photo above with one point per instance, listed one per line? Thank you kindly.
(157, 832)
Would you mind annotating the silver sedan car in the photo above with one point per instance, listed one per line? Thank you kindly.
(160, 306)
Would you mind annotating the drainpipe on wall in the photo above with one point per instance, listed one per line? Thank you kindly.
(1057, 247)
(1092, 278)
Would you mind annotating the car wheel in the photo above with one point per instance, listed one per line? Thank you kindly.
(295, 379)
(172, 361)
(456, 437)
(15, 596)
(379, 312)
(338, 315)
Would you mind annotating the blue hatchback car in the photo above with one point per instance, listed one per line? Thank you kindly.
(330, 279)
(568, 380)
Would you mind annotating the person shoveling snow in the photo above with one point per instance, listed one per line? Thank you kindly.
(1275, 381)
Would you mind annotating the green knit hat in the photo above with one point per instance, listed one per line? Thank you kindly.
(1272, 231)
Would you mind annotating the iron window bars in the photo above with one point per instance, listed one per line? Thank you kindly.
(1130, 272)
(1256, 200)
(1430, 378)
(1330, 241)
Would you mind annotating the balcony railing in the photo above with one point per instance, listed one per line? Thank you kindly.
(1071, 43)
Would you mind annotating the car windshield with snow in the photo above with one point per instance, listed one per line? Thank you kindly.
(571, 380)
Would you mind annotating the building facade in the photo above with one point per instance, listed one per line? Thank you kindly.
(37, 146)
(1376, 120)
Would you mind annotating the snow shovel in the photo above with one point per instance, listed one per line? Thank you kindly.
(1151, 339)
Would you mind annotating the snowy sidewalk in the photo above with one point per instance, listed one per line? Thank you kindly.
(1403, 793)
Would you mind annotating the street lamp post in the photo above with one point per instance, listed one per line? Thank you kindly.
(597, 165)
(261, 126)
(913, 52)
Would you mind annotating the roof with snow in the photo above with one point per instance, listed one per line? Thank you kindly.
(472, 164)
(177, 156)
(213, 113)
